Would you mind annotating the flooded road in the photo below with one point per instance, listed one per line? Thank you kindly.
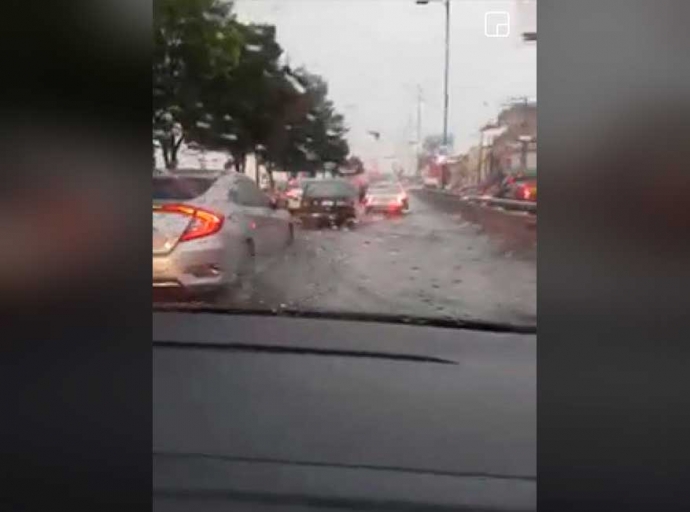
(427, 263)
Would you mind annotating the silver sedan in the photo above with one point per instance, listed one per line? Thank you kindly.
(208, 227)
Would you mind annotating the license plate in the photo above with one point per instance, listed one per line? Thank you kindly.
(327, 203)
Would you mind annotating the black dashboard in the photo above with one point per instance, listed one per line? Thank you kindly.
(254, 413)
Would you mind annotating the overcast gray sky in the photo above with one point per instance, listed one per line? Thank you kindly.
(374, 53)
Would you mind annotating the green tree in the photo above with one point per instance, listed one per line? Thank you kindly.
(253, 98)
(431, 146)
(355, 164)
(317, 139)
(433, 143)
(224, 82)
(196, 42)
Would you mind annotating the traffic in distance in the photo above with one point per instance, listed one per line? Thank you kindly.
(362, 243)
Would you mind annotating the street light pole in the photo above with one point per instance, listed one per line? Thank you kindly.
(445, 82)
(446, 67)
(445, 76)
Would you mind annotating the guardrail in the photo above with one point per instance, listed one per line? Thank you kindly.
(513, 224)
(506, 204)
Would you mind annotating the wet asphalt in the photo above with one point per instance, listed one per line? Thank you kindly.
(427, 263)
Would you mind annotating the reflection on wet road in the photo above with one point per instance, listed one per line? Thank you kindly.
(427, 263)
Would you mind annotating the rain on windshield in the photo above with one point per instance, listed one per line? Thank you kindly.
(346, 156)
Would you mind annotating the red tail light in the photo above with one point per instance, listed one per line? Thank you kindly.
(204, 222)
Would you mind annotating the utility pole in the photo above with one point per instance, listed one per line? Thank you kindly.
(445, 77)
(419, 129)
(480, 163)
(525, 141)
(444, 167)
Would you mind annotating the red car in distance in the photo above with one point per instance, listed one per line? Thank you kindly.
(520, 187)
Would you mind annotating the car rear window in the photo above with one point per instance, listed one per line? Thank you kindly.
(389, 189)
(180, 189)
(330, 189)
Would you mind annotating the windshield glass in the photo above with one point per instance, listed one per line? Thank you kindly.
(385, 189)
(422, 114)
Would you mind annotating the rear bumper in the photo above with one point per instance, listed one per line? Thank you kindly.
(336, 215)
(196, 268)
(391, 207)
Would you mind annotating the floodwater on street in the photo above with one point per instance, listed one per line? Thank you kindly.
(427, 263)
